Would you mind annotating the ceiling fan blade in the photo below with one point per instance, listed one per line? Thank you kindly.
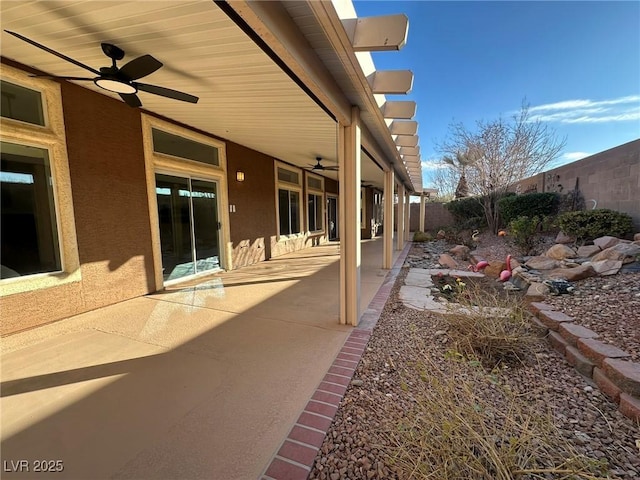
(53, 52)
(140, 67)
(131, 99)
(62, 78)
(166, 92)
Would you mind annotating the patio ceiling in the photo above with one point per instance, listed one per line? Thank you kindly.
(245, 96)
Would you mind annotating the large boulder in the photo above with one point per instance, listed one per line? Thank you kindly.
(573, 274)
(542, 263)
(447, 260)
(607, 267)
(587, 251)
(564, 238)
(560, 252)
(606, 242)
(494, 268)
(625, 252)
(460, 251)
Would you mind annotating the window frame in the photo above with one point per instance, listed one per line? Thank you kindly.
(50, 137)
(290, 187)
(318, 193)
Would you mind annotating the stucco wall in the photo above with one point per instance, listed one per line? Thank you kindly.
(611, 178)
(106, 166)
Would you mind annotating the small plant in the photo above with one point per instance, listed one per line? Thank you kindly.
(589, 224)
(449, 286)
(523, 231)
(422, 237)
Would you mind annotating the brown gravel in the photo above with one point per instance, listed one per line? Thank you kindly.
(356, 445)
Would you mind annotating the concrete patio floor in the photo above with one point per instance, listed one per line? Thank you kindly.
(200, 381)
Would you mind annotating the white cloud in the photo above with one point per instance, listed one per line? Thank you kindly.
(589, 111)
(433, 164)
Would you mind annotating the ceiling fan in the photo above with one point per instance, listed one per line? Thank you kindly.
(319, 167)
(120, 80)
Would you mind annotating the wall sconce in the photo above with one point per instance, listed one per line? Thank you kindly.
(240, 176)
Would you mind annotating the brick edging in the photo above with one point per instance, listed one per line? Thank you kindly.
(296, 455)
(608, 366)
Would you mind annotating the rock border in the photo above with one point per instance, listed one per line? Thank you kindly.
(605, 364)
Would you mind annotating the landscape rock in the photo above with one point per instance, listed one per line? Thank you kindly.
(607, 267)
(537, 290)
(494, 268)
(560, 252)
(588, 250)
(626, 252)
(542, 263)
(564, 238)
(441, 234)
(461, 251)
(447, 260)
(606, 242)
(573, 274)
(636, 237)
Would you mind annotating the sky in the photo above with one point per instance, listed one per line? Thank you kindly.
(576, 63)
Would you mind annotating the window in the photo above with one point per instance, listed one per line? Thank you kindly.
(29, 231)
(181, 147)
(289, 200)
(315, 203)
(37, 228)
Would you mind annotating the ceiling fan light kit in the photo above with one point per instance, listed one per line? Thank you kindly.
(120, 80)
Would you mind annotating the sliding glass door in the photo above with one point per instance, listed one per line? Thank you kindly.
(189, 226)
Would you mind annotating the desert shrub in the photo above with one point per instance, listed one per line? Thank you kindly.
(589, 224)
(528, 205)
(523, 232)
(452, 431)
(422, 237)
(466, 209)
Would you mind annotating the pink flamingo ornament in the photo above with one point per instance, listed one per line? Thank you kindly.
(506, 274)
(478, 267)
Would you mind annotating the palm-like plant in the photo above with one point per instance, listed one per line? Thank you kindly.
(460, 162)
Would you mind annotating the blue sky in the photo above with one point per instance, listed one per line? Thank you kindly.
(576, 63)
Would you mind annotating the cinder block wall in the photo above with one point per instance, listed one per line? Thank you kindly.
(609, 179)
(435, 217)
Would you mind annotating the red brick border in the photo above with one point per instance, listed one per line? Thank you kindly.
(294, 459)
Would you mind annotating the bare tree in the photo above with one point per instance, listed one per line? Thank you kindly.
(499, 153)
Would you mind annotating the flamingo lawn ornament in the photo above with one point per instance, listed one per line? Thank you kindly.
(506, 274)
(478, 267)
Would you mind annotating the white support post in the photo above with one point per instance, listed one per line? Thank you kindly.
(387, 261)
(407, 217)
(400, 234)
(422, 211)
(349, 176)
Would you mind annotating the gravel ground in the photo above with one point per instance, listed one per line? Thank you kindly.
(357, 444)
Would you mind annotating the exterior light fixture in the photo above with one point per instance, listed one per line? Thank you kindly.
(240, 176)
(115, 86)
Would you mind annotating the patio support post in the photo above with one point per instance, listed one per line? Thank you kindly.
(400, 235)
(422, 209)
(407, 218)
(349, 147)
(387, 246)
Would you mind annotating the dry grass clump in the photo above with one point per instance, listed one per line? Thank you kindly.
(493, 328)
(465, 425)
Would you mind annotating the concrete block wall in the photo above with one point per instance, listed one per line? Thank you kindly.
(610, 178)
(435, 216)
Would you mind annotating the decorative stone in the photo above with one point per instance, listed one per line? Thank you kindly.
(494, 268)
(605, 385)
(560, 252)
(537, 290)
(542, 263)
(606, 242)
(441, 234)
(536, 307)
(461, 251)
(579, 361)
(571, 332)
(447, 260)
(573, 274)
(588, 250)
(597, 352)
(557, 342)
(630, 407)
(553, 319)
(564, 238)
(625, 375)
(636, 237)
(622, 251)
(607, 267)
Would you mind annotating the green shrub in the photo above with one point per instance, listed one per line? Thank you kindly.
(422, 237)
(523, 230)
(528, 205)
(589, 224)
(466, 209)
